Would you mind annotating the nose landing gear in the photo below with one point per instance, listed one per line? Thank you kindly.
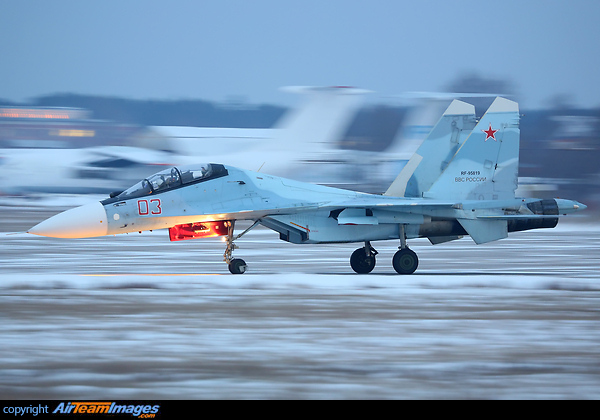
(236, 265)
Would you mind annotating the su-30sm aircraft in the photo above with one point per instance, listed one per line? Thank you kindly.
(461, 181)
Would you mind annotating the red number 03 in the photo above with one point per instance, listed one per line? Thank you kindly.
(153, 207)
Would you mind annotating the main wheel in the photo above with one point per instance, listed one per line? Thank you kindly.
(361, 262)
(405, 261)
(237, 266)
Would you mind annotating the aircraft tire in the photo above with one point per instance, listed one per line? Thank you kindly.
(405, 261)
(362, 263)
(237, 266)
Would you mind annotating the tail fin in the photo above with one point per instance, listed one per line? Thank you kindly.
(486, 165)
(321, 121)
(436, 151)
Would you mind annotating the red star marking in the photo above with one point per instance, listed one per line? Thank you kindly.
(490, 133)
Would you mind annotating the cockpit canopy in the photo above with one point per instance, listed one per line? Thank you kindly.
(173, 178)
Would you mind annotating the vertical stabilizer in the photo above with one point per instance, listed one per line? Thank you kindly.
(486, 166)
(436, 151)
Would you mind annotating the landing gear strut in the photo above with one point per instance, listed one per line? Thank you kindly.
(405, 261)
(363, 260)
(236, 265)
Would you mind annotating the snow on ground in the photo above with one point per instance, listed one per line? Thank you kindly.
(135, 316)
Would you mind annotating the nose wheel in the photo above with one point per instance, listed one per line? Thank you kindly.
(237, 266)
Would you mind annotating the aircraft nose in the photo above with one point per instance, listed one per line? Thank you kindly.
(81, 222)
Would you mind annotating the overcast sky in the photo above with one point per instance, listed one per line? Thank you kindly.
(224, 49)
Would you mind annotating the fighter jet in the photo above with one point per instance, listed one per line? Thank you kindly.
(461, 181)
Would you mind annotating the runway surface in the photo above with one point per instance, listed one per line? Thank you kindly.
(136, 316)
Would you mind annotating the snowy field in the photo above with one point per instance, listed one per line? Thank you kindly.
(137, 317)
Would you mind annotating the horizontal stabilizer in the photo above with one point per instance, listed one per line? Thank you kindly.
(483, 231)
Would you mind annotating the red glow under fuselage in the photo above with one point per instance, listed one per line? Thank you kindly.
(198, 230)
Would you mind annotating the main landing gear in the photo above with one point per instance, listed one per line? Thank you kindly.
(363, 259)
(236, 265)
(405, 261)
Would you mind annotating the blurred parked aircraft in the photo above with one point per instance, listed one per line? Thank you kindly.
(304, 133)
(304, 136)
(92, 170)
